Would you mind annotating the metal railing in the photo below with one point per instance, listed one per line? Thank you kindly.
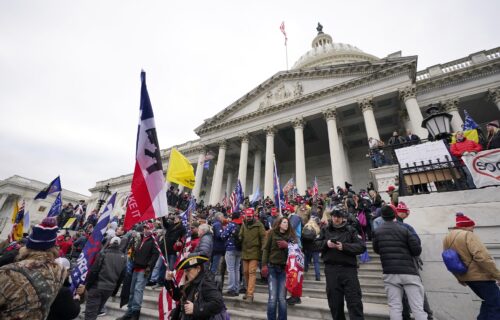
(385, 155)
(434, 176)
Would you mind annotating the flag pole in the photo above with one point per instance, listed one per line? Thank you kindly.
(286, 55)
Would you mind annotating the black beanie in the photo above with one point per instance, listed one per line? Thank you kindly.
(388, 213)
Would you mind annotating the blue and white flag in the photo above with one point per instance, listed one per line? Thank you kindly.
(469, 123)
(185, 218)
(55, 210)
(255, 196)
(54, 186)
(92, 247)
(279, 200)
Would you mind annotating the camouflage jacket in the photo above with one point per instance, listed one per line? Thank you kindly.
(28, 287)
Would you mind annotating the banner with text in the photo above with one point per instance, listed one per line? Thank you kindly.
(484, 167)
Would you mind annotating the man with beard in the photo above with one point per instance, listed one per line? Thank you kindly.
(340, 244)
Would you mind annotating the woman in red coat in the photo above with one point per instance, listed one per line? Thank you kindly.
(464, 146)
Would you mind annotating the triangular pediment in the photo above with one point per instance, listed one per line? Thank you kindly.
(295, 85)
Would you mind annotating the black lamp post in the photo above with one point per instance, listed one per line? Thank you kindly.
(103, 195)
(437, 123)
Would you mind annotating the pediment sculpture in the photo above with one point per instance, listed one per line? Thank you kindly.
(281, 93)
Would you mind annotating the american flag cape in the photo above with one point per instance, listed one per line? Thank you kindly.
(148, 198)
(92, 247)
(166, 304)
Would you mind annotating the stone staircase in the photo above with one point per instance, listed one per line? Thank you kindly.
(314, 303)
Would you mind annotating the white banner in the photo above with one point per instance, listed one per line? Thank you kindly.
(414, 155)
(484, 167)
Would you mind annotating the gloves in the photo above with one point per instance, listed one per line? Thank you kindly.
(282, 244)
(264, 272)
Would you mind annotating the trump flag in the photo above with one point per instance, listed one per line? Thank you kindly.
(148, 198)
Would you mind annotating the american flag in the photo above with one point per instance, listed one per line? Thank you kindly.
(288, 186)
(315, 188)
(225, 201)
(236, 197)
(282, 28)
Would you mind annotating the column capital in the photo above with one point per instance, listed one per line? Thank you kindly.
(222, 144)
(365, 104)
(450, 105)
(408, 92)
(494, 95)
(270, 130)
(201, 148)
(298, 123)
(330, 114)
(244, 137)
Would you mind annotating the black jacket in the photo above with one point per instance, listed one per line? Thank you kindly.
(203, 292)
(173, 233)
(397, 247)
(64, 306)
(492, 142)
(351, 243)
(146, 254)
(108, 267)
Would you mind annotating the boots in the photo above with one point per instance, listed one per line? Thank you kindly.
(136, 315)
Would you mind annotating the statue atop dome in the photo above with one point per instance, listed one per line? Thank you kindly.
(319, 28)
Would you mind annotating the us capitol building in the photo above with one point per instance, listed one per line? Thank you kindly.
(316, 118)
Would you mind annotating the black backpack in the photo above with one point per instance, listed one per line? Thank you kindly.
(308, 234)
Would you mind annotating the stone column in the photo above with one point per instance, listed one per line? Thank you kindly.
(268, 173)
(256, 170)
(215, 193)
(229, 182)
(405, 119)
(336, 155)
(300, 158)
(242, 171)
(345, 158)
(409, 96)
(451, 106)
(199, 173)
(3, 198)
(366, 106)
(494, 96)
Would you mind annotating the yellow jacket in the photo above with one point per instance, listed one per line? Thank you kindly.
(481, 266)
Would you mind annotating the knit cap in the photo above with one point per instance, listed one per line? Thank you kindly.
(462, 221)
(43, 236)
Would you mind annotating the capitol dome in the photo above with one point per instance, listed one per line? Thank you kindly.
(324, 52)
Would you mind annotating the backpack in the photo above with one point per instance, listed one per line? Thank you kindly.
(308, 234)
(452, 259)
(362, 219)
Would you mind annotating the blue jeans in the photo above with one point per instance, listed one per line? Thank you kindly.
(277, 293)
(172, 258)
(214, 268)
(315, 257)
(489, 292)
(158, 274)
(137, 286)
(233, 262)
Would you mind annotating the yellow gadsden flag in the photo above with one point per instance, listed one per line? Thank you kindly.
(180, 170)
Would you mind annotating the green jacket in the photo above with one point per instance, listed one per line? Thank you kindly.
(252, 240)
(272, 253)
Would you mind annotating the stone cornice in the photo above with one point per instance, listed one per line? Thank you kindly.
(386, 70)
(461, 75)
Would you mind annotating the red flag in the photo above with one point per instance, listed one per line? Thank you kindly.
(148, 198)
(282, 28)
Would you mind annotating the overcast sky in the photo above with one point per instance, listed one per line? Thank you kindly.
(70, 70)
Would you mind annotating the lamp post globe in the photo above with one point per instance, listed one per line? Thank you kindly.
(104, 193)
(437, 123)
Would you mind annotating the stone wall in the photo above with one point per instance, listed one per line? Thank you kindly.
(432, 215)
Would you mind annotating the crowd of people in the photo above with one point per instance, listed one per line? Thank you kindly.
(253, 239)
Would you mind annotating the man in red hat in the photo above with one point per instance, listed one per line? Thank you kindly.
(252, 235)
(482, 276)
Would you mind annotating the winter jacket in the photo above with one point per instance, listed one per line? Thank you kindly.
(174, 232)
(272, 254)
(396, 140)
(64, 306)
(351, 243)
(108, 267)
(231, 235)
(473, 253)
(397, 246)
(21, 298)
(219, 243)
(203, 292)
(205, 246)
(146, 254)
(252, 238)
(458, 148)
